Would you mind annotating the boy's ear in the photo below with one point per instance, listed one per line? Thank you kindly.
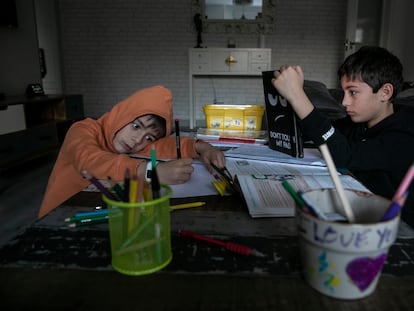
(387, 90)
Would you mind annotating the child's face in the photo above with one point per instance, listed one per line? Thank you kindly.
(137, 135)
(362, 105)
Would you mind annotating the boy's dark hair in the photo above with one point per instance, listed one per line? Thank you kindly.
(158, 122)
(375, 66)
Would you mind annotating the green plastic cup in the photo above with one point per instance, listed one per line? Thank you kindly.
(140, 234)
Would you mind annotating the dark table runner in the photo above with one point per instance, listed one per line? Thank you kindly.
(89, 248)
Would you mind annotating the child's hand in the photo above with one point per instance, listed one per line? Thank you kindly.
(175, 172)
(209, 154)
(288, 81)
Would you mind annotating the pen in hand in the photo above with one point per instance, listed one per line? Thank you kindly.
(155, 183)
(177, 138)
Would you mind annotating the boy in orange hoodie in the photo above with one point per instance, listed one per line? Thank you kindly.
(102, 147)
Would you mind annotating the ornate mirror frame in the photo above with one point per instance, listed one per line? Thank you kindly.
(263, 25)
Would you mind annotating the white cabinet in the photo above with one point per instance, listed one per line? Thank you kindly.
(224, 61)
(221, 61)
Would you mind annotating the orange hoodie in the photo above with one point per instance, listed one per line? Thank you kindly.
(88, 145)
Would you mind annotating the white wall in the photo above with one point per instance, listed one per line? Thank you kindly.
(400, 34)
(48, 37)
(112, 48)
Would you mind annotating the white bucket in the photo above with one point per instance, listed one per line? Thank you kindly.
(345, 260)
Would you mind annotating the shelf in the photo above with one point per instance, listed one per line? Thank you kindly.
(44, 122)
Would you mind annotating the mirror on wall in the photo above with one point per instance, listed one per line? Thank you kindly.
(236, 16)
(232, 9)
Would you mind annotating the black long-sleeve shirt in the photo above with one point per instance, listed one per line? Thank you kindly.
(378, 156)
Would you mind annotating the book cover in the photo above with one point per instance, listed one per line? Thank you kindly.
(282, 123)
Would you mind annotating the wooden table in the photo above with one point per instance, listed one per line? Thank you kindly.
(52, 266)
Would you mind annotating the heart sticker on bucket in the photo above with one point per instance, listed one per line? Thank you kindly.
(363, 271)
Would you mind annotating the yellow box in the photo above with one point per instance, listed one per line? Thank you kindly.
(234, 117)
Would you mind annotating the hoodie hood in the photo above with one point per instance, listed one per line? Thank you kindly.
(155, 100)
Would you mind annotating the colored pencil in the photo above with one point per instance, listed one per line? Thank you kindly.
(97, 212)
(127, 180)
(133, 187)
(405, 183)
(116, 188)
(395, 207)
(86, 217)
(400, 195)
(233, 247)
(187, 205)
(293, 194)
(89, 221)
(98, 185)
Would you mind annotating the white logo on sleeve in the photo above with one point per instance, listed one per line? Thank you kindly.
(328, 133)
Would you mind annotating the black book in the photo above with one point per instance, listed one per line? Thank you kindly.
(282, 123)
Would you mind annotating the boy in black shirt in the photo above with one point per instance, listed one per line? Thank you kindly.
(376, 140)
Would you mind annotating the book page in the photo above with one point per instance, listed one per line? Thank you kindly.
(266, 197)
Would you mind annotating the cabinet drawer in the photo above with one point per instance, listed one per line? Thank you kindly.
(199, 57)
(260, 56)
(233, 61)
(259, 67)
(198, 68)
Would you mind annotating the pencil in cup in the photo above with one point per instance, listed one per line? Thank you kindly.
(154, 225)
(98, 184)
(400, 196)
(132, 213)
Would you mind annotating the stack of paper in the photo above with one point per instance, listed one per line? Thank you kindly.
(264, 153)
